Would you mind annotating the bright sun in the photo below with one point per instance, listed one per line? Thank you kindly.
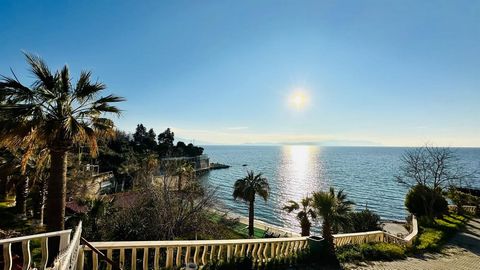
(298, 100)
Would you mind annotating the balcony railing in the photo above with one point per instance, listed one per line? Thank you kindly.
(175, 254)
(168, 254)
(26, 249)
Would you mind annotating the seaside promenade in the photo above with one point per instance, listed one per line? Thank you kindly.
(462, 252)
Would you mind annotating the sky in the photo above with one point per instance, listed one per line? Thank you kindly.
(393, 73)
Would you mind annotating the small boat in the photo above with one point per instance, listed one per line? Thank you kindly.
(244, 165)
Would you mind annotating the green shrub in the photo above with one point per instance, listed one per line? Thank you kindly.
(349, 253)
(430, 240)
(382, 251)
(364, 221)
(370, 252)
(419, 198)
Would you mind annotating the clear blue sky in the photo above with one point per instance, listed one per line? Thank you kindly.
(384, 72)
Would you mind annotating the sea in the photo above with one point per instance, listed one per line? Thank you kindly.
(366, 174)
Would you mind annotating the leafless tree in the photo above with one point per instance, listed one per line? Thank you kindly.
(434, 167)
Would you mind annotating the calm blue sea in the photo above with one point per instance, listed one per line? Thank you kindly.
(365, 173)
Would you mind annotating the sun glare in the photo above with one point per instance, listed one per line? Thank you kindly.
(298, 100)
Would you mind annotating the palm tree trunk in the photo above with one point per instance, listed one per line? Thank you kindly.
(3, 189)
(251, 218)
(305, 224)
(21, 192)
(56, 200)
(56, 192)
(327, 235)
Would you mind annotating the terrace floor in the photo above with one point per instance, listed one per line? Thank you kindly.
(462, 252)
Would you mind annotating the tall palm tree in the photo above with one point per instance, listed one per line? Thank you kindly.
(54, 115)
(304, 215)
(334, 208)
(246, 189)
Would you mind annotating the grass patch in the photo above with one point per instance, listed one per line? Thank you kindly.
(237, 229)
(5, 204)
(370, 252)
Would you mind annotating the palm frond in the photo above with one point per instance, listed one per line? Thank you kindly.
(291, 206)
(11, 89)
(85, 89)
(40, 69)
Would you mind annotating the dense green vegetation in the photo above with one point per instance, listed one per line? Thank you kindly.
(301, 261)
(370, 252)
(420, 196)
(364, 221)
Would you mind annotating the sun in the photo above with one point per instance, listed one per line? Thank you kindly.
(298, 100)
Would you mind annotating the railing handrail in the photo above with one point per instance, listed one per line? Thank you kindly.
(67, 259)
(177, 243)
(105, 258)
(409, 238)
(356, 234)
(34, 236)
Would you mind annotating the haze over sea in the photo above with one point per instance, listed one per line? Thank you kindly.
(294, 171)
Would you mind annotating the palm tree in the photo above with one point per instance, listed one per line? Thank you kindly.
(54, 115)
(304, 214)
(334, 208)
(246, 188)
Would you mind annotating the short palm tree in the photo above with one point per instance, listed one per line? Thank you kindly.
(304, 215)
(334, 208)
(54, 115)
(246, 189)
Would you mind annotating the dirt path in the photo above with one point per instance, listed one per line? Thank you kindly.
(462, 252)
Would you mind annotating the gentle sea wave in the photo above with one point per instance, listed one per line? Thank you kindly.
(365, 173)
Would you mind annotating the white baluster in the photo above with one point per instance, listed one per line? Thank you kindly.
(134, 259)
(204, 255)
(44, 247)
(109, 255)
(156, 259)
(122, 257)
(7, 256)
(145, 259)
(95, 260)
(27, 255)
(178, 260)
(169, 261)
